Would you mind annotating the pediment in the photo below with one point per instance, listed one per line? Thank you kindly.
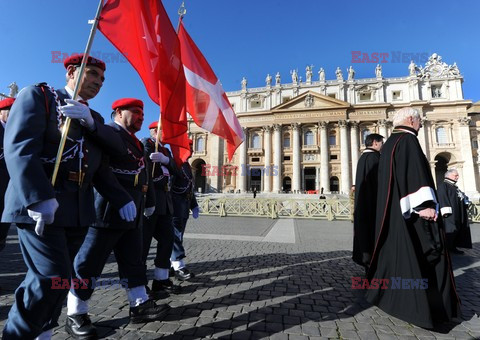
(311, 101)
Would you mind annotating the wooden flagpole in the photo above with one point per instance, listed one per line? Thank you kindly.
(66, 126)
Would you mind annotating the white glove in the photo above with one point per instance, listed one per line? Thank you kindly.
(158, 157)
(148, 211)
(128, 212)
(165, 171)
(77, 110)
(43, 213)
(195, 212)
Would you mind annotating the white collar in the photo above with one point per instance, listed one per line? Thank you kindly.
(70, 93)
(123, 127)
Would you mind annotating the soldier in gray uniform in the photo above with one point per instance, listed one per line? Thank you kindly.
(159, 224)
(52, 220)
(112, 233)
(5, 106)
(183, 201)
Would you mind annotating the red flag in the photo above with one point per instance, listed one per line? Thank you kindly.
(143, 33)
(207, 102)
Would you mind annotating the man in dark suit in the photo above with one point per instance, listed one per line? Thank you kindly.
(454, 209)
(52, 220)
(183, 201)
(159, 224)
(113, 233)
(5, 106)
(365, 198)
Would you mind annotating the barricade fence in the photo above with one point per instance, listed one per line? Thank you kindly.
(325, 209)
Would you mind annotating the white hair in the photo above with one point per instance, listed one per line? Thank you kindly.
(451, 171)
(401, 115)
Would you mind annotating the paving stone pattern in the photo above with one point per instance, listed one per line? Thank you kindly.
(262, 290)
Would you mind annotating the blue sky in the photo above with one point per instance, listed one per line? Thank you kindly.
(248, 38)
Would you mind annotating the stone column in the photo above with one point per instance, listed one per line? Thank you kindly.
(422, 138)
(355, 149)
(324, 153)
(277, 158)
(470, 187)
(297, 153)
(216, 159)
(344, 157)
(382, 127)
(242, 167)
(267, 174)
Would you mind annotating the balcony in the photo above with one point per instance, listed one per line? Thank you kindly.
(255, 151)
(199, 153)
(310, 148)
(445, 145)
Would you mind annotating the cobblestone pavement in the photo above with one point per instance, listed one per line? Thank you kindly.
(260, 279)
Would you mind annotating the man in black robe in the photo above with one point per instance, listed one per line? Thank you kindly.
(454, 209)
(409, 254)
(366, 183)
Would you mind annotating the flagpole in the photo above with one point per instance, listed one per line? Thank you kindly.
(181, 12)
(66, 126)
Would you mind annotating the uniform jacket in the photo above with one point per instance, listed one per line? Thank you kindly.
(4, 177)
(31, 142)
(161, 183)
(133, 173)
(182, 192)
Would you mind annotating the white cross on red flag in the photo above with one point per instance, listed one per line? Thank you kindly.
(143, 33)
(207, 102)
(175, 73)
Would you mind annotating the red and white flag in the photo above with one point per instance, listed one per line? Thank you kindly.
(207, 102)
(143, 33)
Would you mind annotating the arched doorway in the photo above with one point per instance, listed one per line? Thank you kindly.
(334, 184)
(287, 184)
(441, 166)
(199, 175)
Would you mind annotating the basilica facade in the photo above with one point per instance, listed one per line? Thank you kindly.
(307, 136)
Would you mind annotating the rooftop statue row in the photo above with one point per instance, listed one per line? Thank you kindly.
(434, 68)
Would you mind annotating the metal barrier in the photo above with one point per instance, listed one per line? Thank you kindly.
(327, 209)
(330, 209)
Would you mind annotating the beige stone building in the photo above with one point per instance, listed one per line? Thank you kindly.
(302, 136)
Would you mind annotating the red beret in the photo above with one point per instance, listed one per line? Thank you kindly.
(127, 102)
(153, 125)
(6, 103)
(76, 59)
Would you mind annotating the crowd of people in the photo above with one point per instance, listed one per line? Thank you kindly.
(112, 192)
(116, 193)
(405, 228)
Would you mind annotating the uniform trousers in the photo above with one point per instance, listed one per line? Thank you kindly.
(3, 234)
(49, 257)
(93, 255)
(160, 227)
(179, 224)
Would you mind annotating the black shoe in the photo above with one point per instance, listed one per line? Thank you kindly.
(80, 327)
(147, 312)
(457, 251)
(167, 287)
(183, 274)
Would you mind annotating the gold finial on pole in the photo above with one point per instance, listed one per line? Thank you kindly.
(182, 10)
